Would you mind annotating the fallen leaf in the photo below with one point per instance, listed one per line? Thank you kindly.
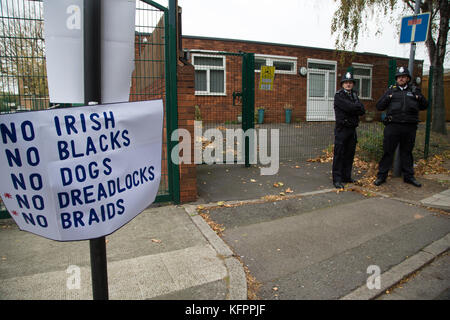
(220, 203)
(156, 240)
(289, 190)
(252, 180)
(275, 289)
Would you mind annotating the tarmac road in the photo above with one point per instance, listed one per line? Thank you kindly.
(321, 244)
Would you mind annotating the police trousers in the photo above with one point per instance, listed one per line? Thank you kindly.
(398, 134)
(344, 152)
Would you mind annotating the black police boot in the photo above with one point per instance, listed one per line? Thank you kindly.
(413, 181)
(338, 185)
(379, 181)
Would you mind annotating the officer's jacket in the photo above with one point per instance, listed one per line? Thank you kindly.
(347, 108)
(403, 107)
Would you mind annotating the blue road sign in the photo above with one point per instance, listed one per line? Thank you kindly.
(415, 28)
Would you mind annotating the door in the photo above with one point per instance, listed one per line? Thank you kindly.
(321, 87)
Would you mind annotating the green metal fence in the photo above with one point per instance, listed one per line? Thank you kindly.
(23, 80)
(224, 100)
(299, 106)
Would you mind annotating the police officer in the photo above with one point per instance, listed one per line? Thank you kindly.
(402, 103)
(347, 108)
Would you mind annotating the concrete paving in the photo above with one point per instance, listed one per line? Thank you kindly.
(439, 201)
(161, 254)
(428, 283)
(315, 250)
(315, 243)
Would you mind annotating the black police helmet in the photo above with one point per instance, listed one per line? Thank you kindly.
(402, 71)
(348, 76)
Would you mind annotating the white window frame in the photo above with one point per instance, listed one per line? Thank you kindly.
(208, 77)
(271, 58)
(360, 77)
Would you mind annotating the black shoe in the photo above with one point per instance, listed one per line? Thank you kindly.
(413, 181)
(349, 180)
(379, 181)
(338, 185)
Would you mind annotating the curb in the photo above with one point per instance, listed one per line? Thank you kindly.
(393, 276)
(237, 282)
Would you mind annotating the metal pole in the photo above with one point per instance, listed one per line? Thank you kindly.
(248, 101)
(412, 51)
(92, 95)
(428, 123)
(397, 162)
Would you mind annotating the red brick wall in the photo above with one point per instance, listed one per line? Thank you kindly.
(186, 113)
(287, 88)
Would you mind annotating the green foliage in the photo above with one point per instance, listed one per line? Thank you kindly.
(6, 99)
(198, 114)
(351, 18)
(370, 143)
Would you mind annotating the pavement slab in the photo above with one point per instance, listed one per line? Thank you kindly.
(324, 253)
(161, 254)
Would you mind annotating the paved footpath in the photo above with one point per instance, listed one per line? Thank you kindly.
(161, 254)
(432, 282)
(316, 243)
(320, 246)
(321, 243)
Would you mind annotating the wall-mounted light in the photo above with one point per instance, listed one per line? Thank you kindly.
(303, 71)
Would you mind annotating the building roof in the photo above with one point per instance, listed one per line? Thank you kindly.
(288, 45)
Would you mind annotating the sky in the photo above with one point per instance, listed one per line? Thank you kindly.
(297, 22)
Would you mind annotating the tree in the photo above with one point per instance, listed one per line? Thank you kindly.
(350, 20)
(22, 61)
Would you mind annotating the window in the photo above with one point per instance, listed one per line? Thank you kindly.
(321, 79)
(209, 74)
(282, 64)
(363, 80)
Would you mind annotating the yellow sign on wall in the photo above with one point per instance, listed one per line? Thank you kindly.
(266, 78)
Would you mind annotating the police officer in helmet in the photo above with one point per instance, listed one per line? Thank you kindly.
(402, 103)
(347, 108)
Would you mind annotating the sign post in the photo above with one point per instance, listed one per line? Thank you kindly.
(92, 95)
(413, 29)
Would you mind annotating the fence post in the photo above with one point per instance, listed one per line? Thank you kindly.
(172, 97)
(248, 99)
(428, 123)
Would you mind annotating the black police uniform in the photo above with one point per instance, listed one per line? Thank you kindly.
(402, 116)
(347, 108)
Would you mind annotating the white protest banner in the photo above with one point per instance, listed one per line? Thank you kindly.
(80, 173)
(63, 33)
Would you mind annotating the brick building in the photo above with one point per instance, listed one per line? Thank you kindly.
(310, 94)
(209, 84)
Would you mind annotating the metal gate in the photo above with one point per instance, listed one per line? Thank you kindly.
(224, 104)
(23, 79)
